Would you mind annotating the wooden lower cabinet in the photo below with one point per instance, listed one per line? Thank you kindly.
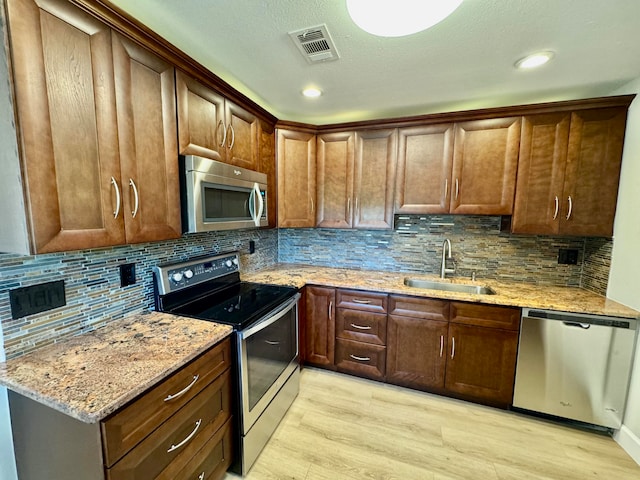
(481, 363)
(416, 352)
(320, 326)
(461, 349)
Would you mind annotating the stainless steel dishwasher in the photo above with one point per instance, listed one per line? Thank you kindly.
(574, 366)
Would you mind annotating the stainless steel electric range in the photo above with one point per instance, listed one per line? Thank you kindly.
(265, 339)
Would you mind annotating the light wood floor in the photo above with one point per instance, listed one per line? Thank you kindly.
(342, 427)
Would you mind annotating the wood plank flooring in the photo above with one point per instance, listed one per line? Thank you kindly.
(343, 427)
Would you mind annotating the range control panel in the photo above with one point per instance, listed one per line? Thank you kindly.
(176, 276)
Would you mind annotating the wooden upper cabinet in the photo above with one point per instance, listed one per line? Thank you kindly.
(485, 160)
(66, 108)
(214, 127)
(201, 125)
(541, 167)
(335, 168)
(296, 166)
(425, 156)
(568, 173)
(145, 99)
(591, 178)
(375, 172)
(267, 164)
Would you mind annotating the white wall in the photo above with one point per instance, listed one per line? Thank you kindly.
(624, 277)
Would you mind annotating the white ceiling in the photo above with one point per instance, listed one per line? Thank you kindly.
(465, 62)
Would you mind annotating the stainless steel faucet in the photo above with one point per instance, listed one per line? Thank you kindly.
(446, 249)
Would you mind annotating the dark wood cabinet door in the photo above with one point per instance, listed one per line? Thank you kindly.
(242, 136)
(481, 363)
(494, 316)
(375, 172)
(541, 167)
(425, 156)
(65, 96)
(335, 164)
(416, 352)
(593, 171)
(296, 168)
(320, 325)
(485, 159)
(146, 109)
(201, 127)
(267, 164)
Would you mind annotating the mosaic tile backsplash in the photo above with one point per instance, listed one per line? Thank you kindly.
(94, 296)
(477, 243)
(92, 282)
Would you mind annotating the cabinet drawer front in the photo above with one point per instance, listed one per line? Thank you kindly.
(210, 462)
(131, 425)
(357, 300)
(361, 326)
(180, 437)
(362, 359)
(507, 318)
(427, 308)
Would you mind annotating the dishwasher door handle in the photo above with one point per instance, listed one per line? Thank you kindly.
(584, 326)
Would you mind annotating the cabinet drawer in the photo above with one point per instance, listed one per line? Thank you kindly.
(358, 300)
(361, 326)
(427, 308)
(507, 318)
(179, 438)
(210, 462)
(131, 425)
(362, 359)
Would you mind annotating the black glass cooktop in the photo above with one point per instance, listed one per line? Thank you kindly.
(238, 305)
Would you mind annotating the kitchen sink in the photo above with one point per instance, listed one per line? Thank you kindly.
(449, 287)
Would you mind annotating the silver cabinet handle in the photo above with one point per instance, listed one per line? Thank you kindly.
(224, 130)
(555, 213)
(570, 207)
(233, 135)
(457, 188)
(356, 209)
(441, 345)
(348, 207)
(312, 206)
(115, 187)
(330, 306)
(184, 390)
(201, 476)
(360, 359)
(271, 342)
(453, 347)
(136, 198)
(365, 302)
(361, 327)
(189, 437)
(446, 188)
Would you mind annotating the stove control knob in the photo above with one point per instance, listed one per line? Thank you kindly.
(228, 263)
(235, 262)
(188, 274)
(176, 277)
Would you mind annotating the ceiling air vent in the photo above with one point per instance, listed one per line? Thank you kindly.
(315, 44)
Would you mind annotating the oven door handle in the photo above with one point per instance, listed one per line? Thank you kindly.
(270, 319)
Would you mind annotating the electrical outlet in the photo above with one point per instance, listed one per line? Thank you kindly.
(568, 256)
(127, 274)
(37, 298)
(252, 246)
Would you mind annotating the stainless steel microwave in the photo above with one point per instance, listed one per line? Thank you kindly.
(218, 196)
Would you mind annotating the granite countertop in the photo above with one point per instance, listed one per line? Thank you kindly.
(567, 299)
(91, 375)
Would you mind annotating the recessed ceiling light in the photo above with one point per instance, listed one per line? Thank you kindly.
(534, 60)
(312, 92)
(398, 18)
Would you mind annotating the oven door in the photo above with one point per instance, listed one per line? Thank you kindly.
(268, 355)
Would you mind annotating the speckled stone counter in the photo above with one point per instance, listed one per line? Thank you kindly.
(90, 376)
(568, 299)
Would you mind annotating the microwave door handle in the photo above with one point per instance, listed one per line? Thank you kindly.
(252, 205)
(258, 195)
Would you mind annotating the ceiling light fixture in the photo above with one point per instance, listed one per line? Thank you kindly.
(534, 60)
(397, 18)
(312, 92)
